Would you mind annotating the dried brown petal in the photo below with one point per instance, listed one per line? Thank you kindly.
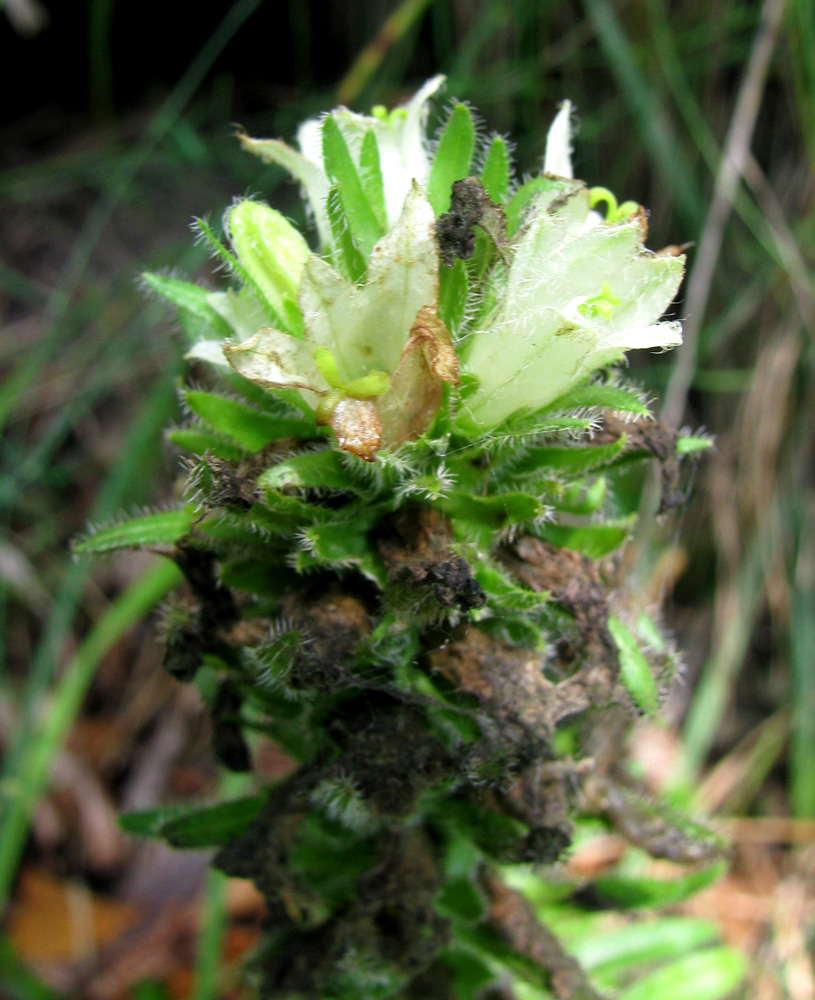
(356, 425)
(428, 359)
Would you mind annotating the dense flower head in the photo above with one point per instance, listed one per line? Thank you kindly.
(435, 269)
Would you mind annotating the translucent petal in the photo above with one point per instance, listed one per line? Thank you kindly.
(558, 157)
(367, 327)
(278, 361)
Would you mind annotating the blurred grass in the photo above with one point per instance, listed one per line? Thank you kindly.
(655, 85)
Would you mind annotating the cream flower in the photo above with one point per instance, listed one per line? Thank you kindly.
(372, 357)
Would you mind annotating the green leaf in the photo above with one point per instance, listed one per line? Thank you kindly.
(504, 593)
(708, 975)
(148, 822)
(635, 670)
(634, 891)
(251, 429)
(593, 540)
(641, 942)
(459, 898)
(193, 826)
(574, 460)
(606, 397)
(470, 973)
(495, 172)
(213, 826)
(453, 286)
(158, 530)
(370, 175)
(320, 469)
(359, 212)
(576, 499)
(200, 442)
(194, 311)
(487, 515)
(339, 544)
(693, 445)
(453, 157)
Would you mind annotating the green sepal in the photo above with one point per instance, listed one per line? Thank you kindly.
(523, 198)
(453, 157)
(635, 891)
(251, 429)
(593, 540)
(235, 267)
(195, 827)
(273, 253)
(495, 172)
(346, 255)
(453, 287)
(370, 175)
(195, 313)
(635, 671)
(159, 530)
(198, 441)
(339, 165)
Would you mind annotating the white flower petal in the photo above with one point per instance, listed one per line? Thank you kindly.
(278, 361)
(367, 328)
(240, 310)
(545, 336)
(558, 157)
(208, 350)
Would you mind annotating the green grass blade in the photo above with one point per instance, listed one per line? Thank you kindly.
(23, 790)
